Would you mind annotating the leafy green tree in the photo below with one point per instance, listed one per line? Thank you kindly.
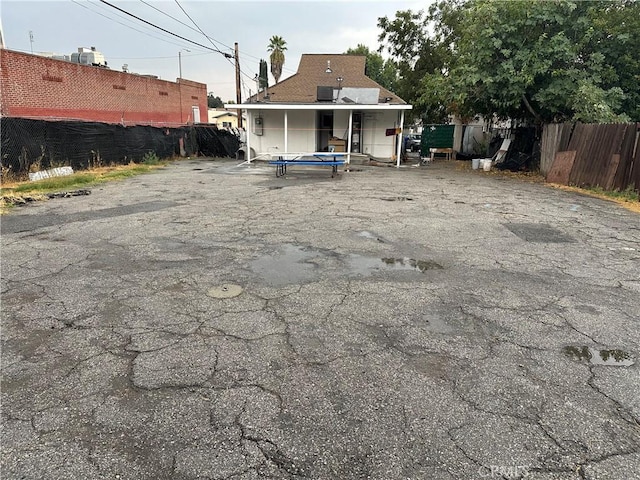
(527, 59)
(384, 72)
(615, 33)
(277, 47)
(214, 102)
(415, 54)
(533, 60)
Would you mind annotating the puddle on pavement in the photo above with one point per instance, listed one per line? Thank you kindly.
(616, 358)
(365, 266)
(294, 264)
(291, 265)
(397, 199)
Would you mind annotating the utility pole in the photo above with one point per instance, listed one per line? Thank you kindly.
(238, 92)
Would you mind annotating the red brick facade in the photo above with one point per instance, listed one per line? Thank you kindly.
(39, 87)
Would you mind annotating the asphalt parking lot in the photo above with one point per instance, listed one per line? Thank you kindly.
(211, 321)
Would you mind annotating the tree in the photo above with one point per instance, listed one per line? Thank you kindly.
(524, 59)
(415, 54)
(616, 35)
(214, 102)
(263, 77)
(533, 60)
(277, 47)
(382, 71)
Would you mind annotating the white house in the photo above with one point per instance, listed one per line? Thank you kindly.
(329, 104)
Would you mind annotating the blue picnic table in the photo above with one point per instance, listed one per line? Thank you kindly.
(322, 159)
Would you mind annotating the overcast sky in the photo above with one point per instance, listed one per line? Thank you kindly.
(62, 26)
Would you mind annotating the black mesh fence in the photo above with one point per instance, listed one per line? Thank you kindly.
(30, 145)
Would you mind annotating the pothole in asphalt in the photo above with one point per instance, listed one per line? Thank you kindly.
(362, 265)
(615, 357)
(275, 188)
(227, 290)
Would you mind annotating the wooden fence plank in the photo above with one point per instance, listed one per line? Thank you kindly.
(606, 155)
(607, 181)
(561, 168)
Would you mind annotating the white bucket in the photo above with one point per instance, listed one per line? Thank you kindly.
(475, 163)
(486, 165)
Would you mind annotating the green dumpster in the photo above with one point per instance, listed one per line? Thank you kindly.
(436, 136)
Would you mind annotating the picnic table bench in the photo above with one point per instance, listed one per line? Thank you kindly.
(321, 159)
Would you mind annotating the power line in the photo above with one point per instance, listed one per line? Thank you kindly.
(125, 25)
(212, 40)
(227, 55)
(216, 49)
(162, 57)
(186, 24)
(196, 25)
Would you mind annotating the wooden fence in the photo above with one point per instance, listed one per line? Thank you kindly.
(604, 155)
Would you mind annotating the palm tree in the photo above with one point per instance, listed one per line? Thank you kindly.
(276, 46)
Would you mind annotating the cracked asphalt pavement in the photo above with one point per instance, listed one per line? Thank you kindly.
(211, 321)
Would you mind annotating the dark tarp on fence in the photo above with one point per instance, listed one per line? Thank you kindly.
(83, 145)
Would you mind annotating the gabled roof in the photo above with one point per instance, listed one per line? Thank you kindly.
(215, 113)
(312, 73)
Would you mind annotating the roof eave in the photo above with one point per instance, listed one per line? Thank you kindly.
(318, 106)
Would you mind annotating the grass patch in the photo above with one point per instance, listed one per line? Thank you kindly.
(36, 190)
(55, 183)
(80, 179)
(628, 195)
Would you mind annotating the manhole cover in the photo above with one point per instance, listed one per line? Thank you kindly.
(228, 290)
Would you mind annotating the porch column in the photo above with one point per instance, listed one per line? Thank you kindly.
(248, 135)
(399, 147)
(286, 131)
(349, 137)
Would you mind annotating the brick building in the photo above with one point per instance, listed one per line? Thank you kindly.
(43, 88)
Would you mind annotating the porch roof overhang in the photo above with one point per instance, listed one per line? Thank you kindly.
(316, 106)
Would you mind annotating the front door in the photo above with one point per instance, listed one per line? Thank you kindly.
(356, 133)
(324, 129)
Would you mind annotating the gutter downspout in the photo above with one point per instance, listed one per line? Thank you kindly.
(286, 131)
(248, 134)
(349, 136)
(399, 149)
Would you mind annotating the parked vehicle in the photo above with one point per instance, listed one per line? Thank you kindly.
(413, 142)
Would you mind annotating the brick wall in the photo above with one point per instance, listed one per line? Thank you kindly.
(39, 87)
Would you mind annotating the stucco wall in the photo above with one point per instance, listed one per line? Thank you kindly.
(374, 139)
(302, 131)
(44, 88)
